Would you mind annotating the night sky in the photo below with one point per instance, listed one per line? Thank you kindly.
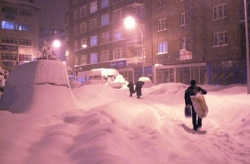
(52, 14)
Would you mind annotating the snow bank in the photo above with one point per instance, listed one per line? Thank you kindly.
(37, 87)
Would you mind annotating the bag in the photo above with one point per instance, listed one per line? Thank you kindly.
(188, 111)
(200, 105)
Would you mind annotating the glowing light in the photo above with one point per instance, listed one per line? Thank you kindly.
(56, 43)
(129, 22)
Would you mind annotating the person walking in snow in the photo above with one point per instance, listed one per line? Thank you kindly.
(131, 88)
(138, 87)
(192, 91)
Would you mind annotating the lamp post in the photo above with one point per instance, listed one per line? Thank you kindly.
(56, 51)
(130, 23)
(247, 48)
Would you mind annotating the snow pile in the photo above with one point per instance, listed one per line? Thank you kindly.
(38, 86)
(109, 127)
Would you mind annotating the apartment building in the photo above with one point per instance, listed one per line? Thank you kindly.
(97, 37)
(174, 40)
(19, 32)
(202, 40)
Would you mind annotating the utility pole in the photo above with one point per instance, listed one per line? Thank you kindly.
(247, 48)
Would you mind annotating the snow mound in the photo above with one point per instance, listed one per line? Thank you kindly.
(31, 87)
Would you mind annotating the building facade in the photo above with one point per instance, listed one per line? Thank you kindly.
(204, 40)
(97, 37)
(19, 32)
(173, 41)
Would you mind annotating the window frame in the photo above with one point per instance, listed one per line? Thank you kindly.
(93, 24)
(219, 11)
(105, 19)
(93, 40)
(183, 19)
(105, 56)
(117, 34)
(93, 7)
(94, 58)
(220, 39)
(83, 28)
(117, 15)
(117, 53)
(105, 37)
(183, 43)
(162, 47)
(83, 11)
(162, 24)
(104, 3)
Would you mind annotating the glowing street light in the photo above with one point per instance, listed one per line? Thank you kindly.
(56, 43)
(130, 23)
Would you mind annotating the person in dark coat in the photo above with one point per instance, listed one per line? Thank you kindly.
(138, 87)
(191, 91)
(131, 88)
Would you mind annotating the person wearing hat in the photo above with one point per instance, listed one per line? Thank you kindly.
(191, 91)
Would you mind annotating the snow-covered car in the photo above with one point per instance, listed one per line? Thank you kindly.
(119, 82)
(106, 76)
(147, 82)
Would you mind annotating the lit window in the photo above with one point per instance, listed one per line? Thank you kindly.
(105, 3)
(24, 27)
(8, 25)
(163, 47)
(93, 7)
(105, 19)
(93, 40)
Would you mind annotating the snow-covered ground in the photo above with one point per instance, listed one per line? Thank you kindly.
(109, 127)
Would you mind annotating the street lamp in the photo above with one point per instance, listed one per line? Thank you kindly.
(247, 48)
(130, 23)
(56, 43)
